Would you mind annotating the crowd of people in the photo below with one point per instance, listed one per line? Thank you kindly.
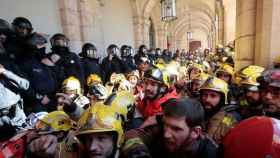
(132, 104)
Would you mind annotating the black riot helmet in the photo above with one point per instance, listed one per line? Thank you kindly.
(22, 26)
(143, 49)
(158, 51)
(126, 51)
(114, 50)
(36, 39)
(36, 44)
(59, 43)
(89, 51)
(5, 28)
(59, 40)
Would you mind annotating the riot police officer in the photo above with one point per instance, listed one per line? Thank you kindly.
(127, 59)
(42, 74)
(112, 63)
(16, 44)
(90, 60)
(142, 52)
(68, 61)
(5, 32)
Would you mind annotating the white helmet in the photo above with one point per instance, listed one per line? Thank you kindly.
(98, 91)
(7, 97)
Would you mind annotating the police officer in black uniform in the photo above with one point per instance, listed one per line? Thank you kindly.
(142, 52)
(90, 60)
(16, 43)
(112, 63)
(5, 60)
(66, 60)
(42, 75)
(127, 58)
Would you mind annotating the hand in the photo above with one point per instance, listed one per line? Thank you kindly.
(45, 100)
(47, 62)
(44, 146)
(2, 69)
(111, 57)
(55, 58)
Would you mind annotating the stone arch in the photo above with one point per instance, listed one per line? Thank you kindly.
(220, 25)
(148, 7)
(197, 19)
(135, 8)
(178, 36)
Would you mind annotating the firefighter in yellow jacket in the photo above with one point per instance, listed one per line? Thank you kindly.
(220, 117)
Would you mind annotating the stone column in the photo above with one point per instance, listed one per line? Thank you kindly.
(162, 38)
(146, 28)
(229, 20)
(209, 38)
(221, 27)
(172, 41)
(267, 32)
(178, 43)
(246, 30)
(86, 21)
(138, 31)
(70, 22)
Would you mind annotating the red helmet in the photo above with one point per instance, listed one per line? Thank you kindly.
(257, 137)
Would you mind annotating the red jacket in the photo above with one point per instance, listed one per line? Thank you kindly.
(150, 108)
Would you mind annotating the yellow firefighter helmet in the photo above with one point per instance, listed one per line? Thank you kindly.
(99, 119)
(72, 84)
(93, 79)
(55, 121)
(122, 102)
(217, 85)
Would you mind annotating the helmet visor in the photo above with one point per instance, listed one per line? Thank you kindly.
(60, 43)
(91, 53)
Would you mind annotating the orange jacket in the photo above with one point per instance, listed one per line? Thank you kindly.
(150, 108)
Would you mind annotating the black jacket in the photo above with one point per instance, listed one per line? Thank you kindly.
(44, 80)
(129, 64)
(70, 65)
(91, 66)
(148, 141)
(113, 66)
